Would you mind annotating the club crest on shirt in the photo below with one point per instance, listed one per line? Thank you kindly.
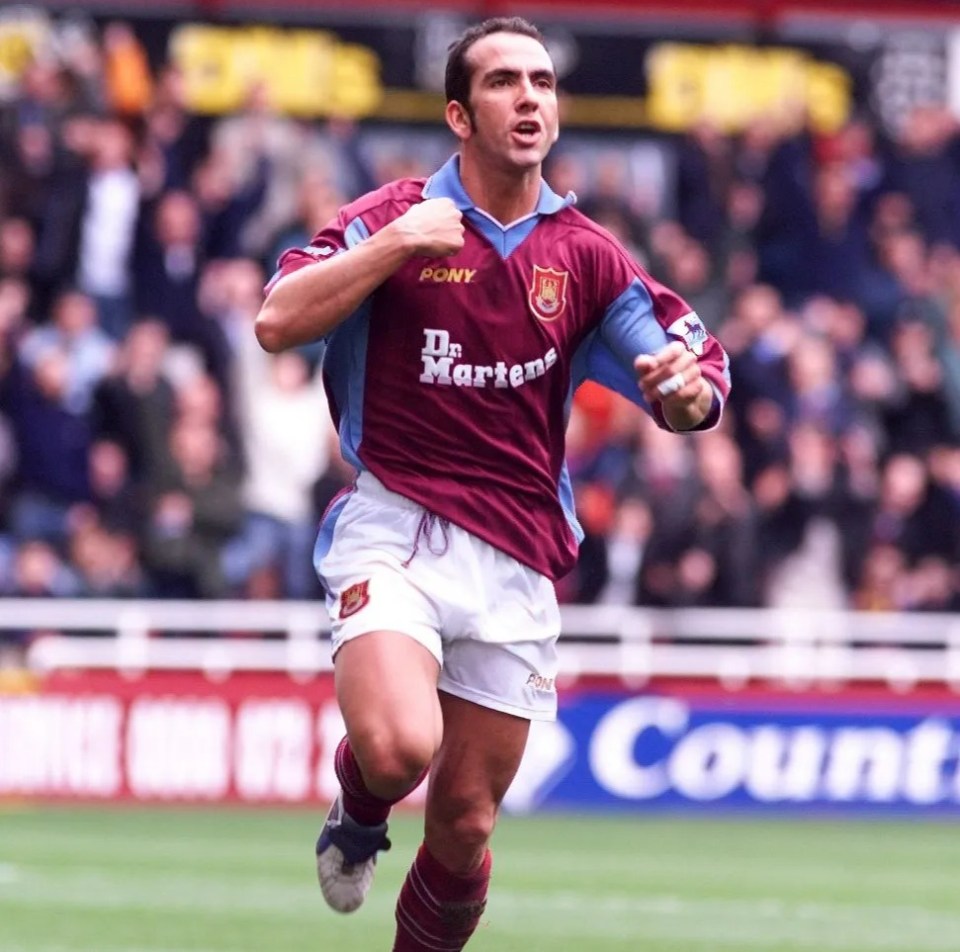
(354, 598)
(691, 331)
(548, 293)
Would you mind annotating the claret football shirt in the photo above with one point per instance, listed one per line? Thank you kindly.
(452, 383)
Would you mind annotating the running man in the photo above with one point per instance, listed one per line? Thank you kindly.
(459, 315)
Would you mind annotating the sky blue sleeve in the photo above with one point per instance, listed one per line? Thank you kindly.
(627, 329)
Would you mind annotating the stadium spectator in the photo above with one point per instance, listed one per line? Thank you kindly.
(170, 261)
(705, 171)
(613, 567)
(266, 155)
(802, 510)
(287, 435)
(611, 202)
(174, 139)
(116, 501)
(736, 253)
(918, 414)
(17, 248)
(317, 202)
(53, 440)
(881, 584)
(923, 167)
(133, 405)
(108, 224)
(74, 332)
(39, 572)
(227, 204)
(726, 525)
(105, 562)
(690, 270)
(34, 570)
(912, 512)
(192, 510)
(759, 336)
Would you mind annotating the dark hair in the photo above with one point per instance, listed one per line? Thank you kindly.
(459, 73)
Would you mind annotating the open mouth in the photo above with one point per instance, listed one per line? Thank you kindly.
(527, 131)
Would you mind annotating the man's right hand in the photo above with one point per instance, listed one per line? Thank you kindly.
(309, 303)
(432, 228)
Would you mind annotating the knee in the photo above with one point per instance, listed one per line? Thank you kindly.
(392, 762)
(458, 831)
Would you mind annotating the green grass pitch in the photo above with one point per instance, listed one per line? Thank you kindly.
(137, 880)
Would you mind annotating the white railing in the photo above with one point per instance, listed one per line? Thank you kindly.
(731, 646)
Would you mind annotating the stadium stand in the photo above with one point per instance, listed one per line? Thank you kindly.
(148, 449)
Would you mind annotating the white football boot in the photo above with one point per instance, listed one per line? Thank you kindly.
(347, 857)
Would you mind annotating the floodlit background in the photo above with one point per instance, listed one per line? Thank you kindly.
(758, 747)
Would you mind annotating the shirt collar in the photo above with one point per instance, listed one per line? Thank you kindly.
(445, 183)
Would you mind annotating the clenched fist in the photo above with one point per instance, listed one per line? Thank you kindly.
(433, 229)
(672, 377)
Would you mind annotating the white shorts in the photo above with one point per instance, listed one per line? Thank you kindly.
(490, 621)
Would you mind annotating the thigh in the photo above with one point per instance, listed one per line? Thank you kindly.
(387, 691)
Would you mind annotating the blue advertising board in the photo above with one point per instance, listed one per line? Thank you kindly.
(618, 750)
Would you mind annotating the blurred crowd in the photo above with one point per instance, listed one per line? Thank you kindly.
(149, 448)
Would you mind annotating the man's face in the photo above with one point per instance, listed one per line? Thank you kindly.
(513, 96)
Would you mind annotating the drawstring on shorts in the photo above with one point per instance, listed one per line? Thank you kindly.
(428, 522)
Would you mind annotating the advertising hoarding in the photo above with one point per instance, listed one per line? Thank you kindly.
(267, 738)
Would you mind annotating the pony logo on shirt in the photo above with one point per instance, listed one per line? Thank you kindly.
(548, 293)
(354, 598)
(691, 331)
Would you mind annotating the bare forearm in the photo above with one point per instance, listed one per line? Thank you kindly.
(311, 302)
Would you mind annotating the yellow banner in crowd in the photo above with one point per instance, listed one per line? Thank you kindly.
(303, 72)
(732, 85)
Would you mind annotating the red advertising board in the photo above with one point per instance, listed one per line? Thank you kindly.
(170, 737)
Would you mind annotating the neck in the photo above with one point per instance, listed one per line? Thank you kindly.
(505, 195)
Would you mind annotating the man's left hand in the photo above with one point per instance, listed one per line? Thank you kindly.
(672, 378)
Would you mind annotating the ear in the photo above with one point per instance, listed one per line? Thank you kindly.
(458, 119)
